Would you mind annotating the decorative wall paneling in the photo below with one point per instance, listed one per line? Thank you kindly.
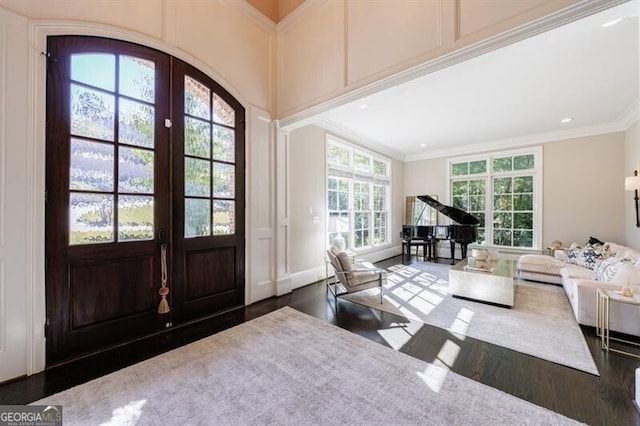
(476, 20)
(3, 199)
(377, 49)
(312, 56)
(385, 36)
(3, 310)
(261, 192)
(14, 196)
(3, 136)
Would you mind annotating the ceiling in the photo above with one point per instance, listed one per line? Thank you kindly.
(514, 95)
(276, 10)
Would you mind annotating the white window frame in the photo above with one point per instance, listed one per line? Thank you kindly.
(353, 175)
(536, 172)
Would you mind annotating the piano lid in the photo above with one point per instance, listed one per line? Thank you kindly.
(459, 216)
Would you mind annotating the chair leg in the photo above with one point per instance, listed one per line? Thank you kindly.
(381, 288)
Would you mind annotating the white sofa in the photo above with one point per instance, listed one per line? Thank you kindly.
(580, 282)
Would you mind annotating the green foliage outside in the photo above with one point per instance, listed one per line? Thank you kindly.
(502, 164)
(379, 168)
(476, 167)
(361, 195)
(197, 138)
(361, 162)
(460, 169)
(222, 223)
(87, 237)
(136, 216)
(337, 155)
(523, 162)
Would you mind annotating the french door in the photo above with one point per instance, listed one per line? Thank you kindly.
(145, 190)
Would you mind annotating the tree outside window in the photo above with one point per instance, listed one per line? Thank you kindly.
(505, 193)
(362, 214)
(338, 206)
(357, 196)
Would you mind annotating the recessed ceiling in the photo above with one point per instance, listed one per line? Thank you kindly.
(516, 94)
(276, 10)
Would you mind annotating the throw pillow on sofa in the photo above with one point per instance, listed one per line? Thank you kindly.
(617, 269)
(606, 269)
(588, 255)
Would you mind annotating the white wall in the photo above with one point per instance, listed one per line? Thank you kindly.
(426, 177)
(307, 198)
(632, 162)
(307, 171)
(583, 187)
(15, 301)
(218, 37)
(397, 209)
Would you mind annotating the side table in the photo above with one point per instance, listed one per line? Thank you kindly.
(603, 301)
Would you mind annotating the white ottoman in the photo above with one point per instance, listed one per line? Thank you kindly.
(538, 267)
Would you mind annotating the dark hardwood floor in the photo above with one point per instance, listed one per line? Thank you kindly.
(607, 399)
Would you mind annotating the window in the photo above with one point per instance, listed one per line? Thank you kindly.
(338, 203)
(357, 195)
(209, 162)
(502, 190)
(379, 214)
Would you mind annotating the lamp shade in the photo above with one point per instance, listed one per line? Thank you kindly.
(632, 183)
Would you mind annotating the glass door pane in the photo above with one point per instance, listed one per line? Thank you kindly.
(209, 162)
(100, 133)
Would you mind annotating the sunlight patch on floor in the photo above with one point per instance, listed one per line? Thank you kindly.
(421, 304)
(406, 290)
(407, 272)
(435, 374)
(396, 268)
(126, 415)
(447, 355)
(397, 335)
(434, 377)
(461, 323)
(395, 279)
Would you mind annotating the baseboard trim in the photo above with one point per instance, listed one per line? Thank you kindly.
(308, 276)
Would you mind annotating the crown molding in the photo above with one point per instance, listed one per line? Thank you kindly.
(520, 141)
(627, 119)
(299, 13)
(631, 115)
(349, 135)
(253, 14)
(561, 17)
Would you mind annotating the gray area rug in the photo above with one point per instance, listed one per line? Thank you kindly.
(541, 322)
(289, 368)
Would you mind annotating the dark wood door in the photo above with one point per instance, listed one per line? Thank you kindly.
(208, 195)
(116, 170)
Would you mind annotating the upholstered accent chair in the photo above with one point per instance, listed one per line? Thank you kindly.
(350, 277)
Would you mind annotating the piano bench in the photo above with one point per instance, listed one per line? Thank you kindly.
(426, 249)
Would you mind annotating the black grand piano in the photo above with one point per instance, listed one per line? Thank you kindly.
(463, 232)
